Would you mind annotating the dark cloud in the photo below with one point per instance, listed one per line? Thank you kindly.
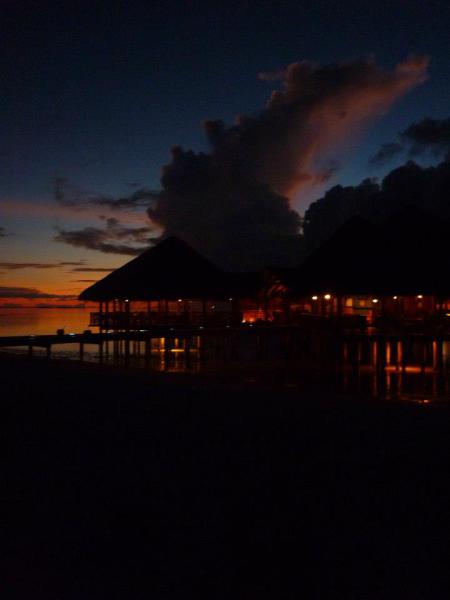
(11, 305)
(29, 294)
(141, 198)
(66, 306)
(92, 270)
(233, 202)
(425, 136)
(427, 188)
(14, 266)
(114, 238)
(386, 153)
(431, 135)
(67, 194)
(2, 232)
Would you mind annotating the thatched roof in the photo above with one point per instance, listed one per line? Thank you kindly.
(407, 254)
(421, 263)
(351, 261)
(170, 270)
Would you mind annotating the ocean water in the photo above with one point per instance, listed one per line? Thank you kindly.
(46, 321)
(43, 321)
(413, 384)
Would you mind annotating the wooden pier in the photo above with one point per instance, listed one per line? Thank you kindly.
(323, 350)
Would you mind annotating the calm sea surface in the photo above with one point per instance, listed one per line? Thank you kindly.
(412, 385)
(38, 321)
(45, 321)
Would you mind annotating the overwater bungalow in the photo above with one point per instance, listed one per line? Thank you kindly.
(388, 274)
(169, 284)
(392, 274)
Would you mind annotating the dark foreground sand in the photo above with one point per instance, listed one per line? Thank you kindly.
(130, 486)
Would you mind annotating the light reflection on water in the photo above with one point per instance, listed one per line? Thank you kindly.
(414, 383)
(42, 321)
(421, 386)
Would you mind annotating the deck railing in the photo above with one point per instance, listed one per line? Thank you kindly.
(144, 320)
(132, 321)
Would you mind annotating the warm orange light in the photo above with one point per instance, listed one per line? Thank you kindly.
(327, 296)
(395, 297)
(375, 300)
(419, 297)
(180, 300)
(314, 298)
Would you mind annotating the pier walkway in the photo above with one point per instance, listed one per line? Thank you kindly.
(320, 349)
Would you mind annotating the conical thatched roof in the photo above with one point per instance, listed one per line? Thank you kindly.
(351, 261)
(421, 259)
(170, 270)
(407, 254)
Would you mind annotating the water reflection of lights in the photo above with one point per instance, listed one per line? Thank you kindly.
(408, 369)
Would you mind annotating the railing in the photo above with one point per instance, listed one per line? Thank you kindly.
(133, 321)
(144, 320)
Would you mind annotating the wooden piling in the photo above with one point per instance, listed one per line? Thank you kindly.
(187, 352)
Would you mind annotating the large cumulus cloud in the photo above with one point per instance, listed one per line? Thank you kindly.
(427, 188)
(233, 202)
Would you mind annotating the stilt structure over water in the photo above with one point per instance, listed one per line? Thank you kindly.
(373, 294)
(392, 276)
(169, 284)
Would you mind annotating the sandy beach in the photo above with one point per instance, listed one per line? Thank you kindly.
(122, 484)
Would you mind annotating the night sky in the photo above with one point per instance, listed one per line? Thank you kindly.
(95, 94)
